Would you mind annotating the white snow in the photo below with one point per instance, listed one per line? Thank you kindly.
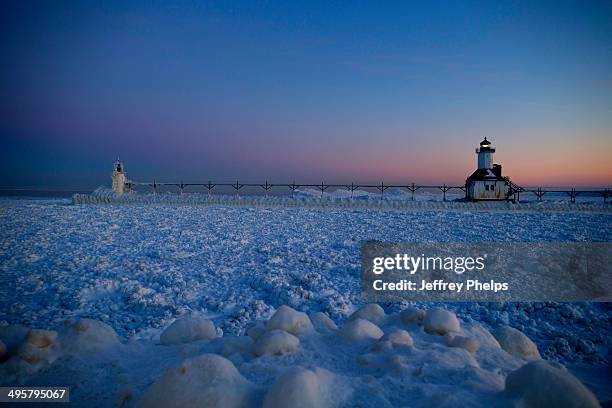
(322, 322)
(187, 329)
(276, 342)
(208, 380)
(35, 356)
(372, 312)
(304, 388)
(412, 315)
(516, 343)
(398, 337)
(440, 322)
(41, 338)
(467, 343)
(428, 197)
(290, 320)
(541, 385)
(256, 329)
(135, 268)
(360, 330)
(279, 369)
(233, 346)
(88, 335)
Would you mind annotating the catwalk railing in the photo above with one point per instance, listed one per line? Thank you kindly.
(514, 192)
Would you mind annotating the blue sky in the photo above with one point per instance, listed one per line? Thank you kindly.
(400, 91)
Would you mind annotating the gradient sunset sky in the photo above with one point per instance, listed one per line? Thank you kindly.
(306, 91)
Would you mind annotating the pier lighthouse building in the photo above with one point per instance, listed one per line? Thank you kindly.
(487, 183)
(119, 178)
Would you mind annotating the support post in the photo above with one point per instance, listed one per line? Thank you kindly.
(237, 187)
(292, 186)
(266, 187)
(382, 189)
(210, 186)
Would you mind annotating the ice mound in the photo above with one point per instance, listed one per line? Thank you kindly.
(39, 347)
(371, 312)
(41, 338)
(412, 315)
(538, 384)
(483, 336)
(256, 330)
(440, 322)
(27, 353)
(302, 388)
(276, 342)
(398, 338)
(360, 330)
(290, 320)
(322, 323)
(35, 355)
(516, 343)
(188, 329)
(87, 335)
(467, 343)
(208, 380)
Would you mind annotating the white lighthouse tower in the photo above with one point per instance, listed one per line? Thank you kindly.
(119, 178)
(487, 182)
(485, 155)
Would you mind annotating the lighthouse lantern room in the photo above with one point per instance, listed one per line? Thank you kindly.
(487, 183)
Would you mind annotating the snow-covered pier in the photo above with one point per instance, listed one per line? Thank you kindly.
(394, 200)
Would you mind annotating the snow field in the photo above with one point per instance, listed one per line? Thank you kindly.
(133, 270)
(137, 268)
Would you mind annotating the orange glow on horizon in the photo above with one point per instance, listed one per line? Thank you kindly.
(563, 166)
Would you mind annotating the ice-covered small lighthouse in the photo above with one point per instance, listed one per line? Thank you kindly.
(487, 183)
(119, 178)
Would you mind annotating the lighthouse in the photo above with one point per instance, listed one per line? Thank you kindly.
(487, 183)
(119, 178)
